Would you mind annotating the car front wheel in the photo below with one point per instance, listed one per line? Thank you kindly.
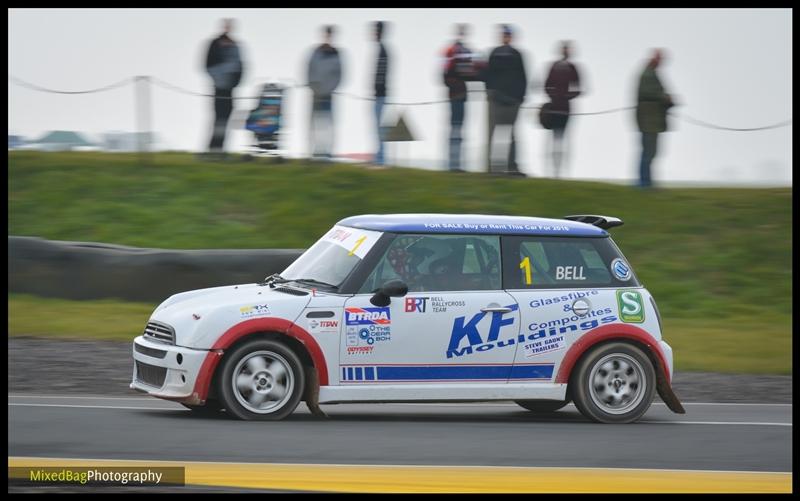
(261, 380)
(614, 383)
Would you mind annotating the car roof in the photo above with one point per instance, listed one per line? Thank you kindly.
(472, 224)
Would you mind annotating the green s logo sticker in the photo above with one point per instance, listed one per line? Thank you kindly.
(631, 307)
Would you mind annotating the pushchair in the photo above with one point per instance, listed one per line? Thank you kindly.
(265, 122)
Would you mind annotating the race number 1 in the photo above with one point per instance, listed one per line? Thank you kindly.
(358, 244)
(526, 265)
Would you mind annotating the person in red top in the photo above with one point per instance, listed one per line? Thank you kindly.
(562, 85)
(459, 68)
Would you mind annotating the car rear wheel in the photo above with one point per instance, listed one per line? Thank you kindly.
(614, 383)
(261, 380)
(542, 406)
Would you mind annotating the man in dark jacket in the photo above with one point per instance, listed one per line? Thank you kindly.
(651, 114)
(224, 65)
(381, 70)
(459, 68)
(506, 83)
(562, 85)
(324, 76)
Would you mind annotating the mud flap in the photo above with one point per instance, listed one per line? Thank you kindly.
(312, 392)
(668, 396)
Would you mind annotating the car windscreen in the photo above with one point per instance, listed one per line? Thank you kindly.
(541, 262)
(332, 258)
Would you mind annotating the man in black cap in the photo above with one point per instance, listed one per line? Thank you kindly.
(506, 84)
(224, 66)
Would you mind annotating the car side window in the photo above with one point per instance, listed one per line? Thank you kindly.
(540, 262)
(431, 262)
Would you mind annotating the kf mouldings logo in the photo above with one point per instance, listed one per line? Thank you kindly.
(631, 307)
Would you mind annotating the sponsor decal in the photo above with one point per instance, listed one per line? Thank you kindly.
(552, 329)
(562, 298)
(546, 345)
(562, 322)
(371, 333)
(367, 335)
(440, 304)
(436, 304)
(367, 316)
(621, 270)
(360, 350)
(550, 336)
(467, 330)
(357, 242)
(339, 234)
(366, 326)
(473, 226)
(569, 273)
(631, 307)
(324, 326)
(256, 310)
(416, 304)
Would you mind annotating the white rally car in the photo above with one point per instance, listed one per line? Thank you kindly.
(421, 308)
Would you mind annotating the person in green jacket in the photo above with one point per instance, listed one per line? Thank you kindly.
(651, 114)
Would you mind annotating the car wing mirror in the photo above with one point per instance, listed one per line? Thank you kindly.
(392, 288)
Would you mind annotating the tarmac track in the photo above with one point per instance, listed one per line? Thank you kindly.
(712, 437)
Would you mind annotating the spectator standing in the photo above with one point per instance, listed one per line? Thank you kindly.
(224, 65)
(562, 85)
(459, 68)
(651, 114)
(506, 83)
(381, 72)
(324, 76)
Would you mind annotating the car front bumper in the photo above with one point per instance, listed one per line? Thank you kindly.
(166, 371)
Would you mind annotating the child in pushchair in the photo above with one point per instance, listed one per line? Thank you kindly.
(265, 120)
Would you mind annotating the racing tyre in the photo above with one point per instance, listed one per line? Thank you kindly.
(261, 380)
(542, 406)
(614, 383)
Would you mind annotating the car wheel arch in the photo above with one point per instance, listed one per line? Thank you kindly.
(293, 336)
(626, 334)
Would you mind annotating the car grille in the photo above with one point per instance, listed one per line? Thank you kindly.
(150, 374)
(150, 352)
(157, 331)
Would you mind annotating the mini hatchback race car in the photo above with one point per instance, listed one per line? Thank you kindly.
(421, 308)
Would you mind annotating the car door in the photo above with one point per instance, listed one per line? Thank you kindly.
(455, 325)
(564, 287)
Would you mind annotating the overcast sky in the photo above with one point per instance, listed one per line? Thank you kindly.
(732, 67)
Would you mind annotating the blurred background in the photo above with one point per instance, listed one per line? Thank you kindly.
(731, 67)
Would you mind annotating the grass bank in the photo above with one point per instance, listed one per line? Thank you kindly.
(718, 260)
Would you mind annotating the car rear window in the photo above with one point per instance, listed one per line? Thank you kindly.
(538, 262)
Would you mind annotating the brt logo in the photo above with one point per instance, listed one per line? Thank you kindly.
(416, 304)
(631, 307)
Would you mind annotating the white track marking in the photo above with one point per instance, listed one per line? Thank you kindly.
(719, 423)
(98, 407)
(723, 423)
(82, 397)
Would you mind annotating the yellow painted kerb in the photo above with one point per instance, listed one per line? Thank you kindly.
(456, 479)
